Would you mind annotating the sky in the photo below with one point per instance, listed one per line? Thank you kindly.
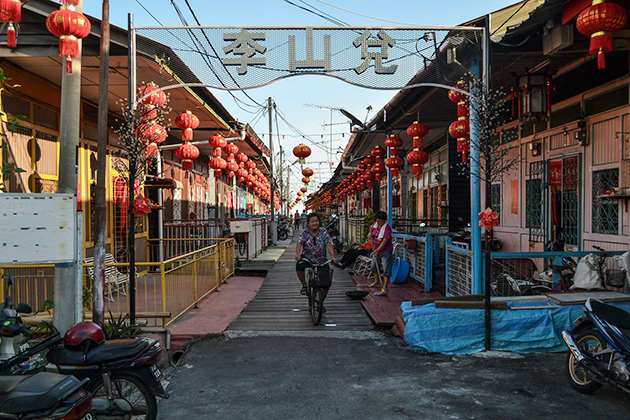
(290, 95)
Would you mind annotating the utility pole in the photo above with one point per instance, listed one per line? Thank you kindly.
(282, 207)
(274, 233)
(68, 279)
(100, 223)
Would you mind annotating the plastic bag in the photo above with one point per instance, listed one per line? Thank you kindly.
(624, 263)
(587, 274)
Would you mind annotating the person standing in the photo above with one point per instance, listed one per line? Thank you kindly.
(296, 220)
(312, 245)
(382, 248)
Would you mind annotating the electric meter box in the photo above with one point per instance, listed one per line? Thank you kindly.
(240, 226)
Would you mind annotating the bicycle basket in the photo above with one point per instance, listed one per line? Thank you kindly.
(615, 278)
(323, 276)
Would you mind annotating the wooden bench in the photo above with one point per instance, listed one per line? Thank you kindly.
(115, 281)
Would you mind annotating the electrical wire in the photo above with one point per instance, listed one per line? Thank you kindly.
(366, 16)
(511, 16)
(332, 20)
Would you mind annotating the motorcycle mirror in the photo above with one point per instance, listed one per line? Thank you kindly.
(24, 308)
(423, 224)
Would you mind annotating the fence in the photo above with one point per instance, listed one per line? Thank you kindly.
(424, 253)
(253, 240)
(174, 287)
(355, 229)
(419, 226)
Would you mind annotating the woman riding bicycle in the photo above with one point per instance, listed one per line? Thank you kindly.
(312, 245)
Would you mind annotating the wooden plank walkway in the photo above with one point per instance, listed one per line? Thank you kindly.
(279, 306)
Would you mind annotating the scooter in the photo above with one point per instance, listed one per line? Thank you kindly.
(121, 374)
(335, 234)
(43, 396)
(599, 348)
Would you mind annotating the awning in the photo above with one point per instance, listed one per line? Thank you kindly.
(158, 182)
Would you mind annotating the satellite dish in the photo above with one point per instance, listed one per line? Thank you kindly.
(354, 120)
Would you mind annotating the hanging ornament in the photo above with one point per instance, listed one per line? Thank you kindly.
(151, 132)
(417, 157)
(460, 129)
(301, 151)
(307, 172)
(187, 153)
(599, 21)
(187, 122)
(69, 26)
(11, 13)
(154, 96)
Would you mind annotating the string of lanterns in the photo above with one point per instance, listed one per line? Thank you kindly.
(69, 26)
(11, 13)
(460, 129)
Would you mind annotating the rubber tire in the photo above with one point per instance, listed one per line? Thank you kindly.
(584, 386)
(536, 290)
(316, 306)
(150, 399)
(282, 235)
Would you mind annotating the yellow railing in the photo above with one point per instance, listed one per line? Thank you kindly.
(164, 290)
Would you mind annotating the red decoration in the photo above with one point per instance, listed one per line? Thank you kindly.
(141, 206)
(488, 219)
(307, 172)
(217, 141)
(11, 12)
(393, 142)
(155, 96)
(69, 26)
(378, 151)
(301, 151)
(241, 158)
(303, 189)
(599, 21)
(417, 158)
(306, 180)
(417, 130)
(151, 150)
(378, 170)
(460, 129)
(217, 163)
(456, 96)
(187, 122)
(187, 153)
(231, 148)
(151, 133)
(394, 163)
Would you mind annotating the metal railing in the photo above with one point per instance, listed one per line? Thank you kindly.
(164, 290)
(419, 226)
(423, 253)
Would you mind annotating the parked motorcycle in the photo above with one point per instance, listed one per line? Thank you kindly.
(334, 233)
(599, 347)
(121, 374)
(43, 396)
(283, 229)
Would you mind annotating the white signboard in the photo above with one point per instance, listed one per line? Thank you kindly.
(37, 228)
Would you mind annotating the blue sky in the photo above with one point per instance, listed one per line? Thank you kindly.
(291, 94)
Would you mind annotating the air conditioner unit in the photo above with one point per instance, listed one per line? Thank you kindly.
(558, 38)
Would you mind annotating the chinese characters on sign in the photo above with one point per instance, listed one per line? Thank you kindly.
(248, 51)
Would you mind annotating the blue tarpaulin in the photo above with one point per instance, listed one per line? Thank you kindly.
(462, 331)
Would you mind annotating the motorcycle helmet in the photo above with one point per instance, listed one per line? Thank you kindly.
(84, 334)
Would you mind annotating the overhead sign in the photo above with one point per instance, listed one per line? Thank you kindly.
(236, 58)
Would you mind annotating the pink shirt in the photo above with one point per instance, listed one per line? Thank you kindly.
(375, 231)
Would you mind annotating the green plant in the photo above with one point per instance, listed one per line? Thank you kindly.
(117, 328)
(369, 219)
(86, 298)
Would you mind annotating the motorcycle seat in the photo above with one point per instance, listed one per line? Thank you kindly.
(110, 351)
(611, 314)
(34, 393)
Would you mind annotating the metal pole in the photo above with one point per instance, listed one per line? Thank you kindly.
(390, 191)
(100, 223)
(132, 173)
(488, 263)
(68, 280)
(274, 233)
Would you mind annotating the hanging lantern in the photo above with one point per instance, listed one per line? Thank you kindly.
(151, 133)
(155, 96)
(456, 96)
(187, 122)
(241, 158)
(417, 158)
(378, 170)
(378, 151)
(306, 180)
(11, 13)
(217, 141)
(187, 153)
(394, 163)
(393, 142)
(69, 26)
(417, 131)
(231, 148)
(307, 172)
(217, 163)
(151, 150)
(301, 151)
(599, 21)
(460, 129)
(303, 189)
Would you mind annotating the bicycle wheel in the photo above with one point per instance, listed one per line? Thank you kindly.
(317, 305)
(143, 403)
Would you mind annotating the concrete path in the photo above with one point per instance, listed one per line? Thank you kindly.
(279, 306)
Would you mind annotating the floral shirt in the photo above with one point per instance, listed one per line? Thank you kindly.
(314, 247)
(375, 231)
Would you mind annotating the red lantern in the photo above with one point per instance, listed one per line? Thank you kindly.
(69, 26)
(11, 12)
(151, 150)
(378, 170)
(187, 122)
(393, 142)
(250, 164)
(394, 163)
(187, 153)
(232, 166)
(217, 163)
(155, 96)
(459, 129)
(231, 148)
(306, 180)
(151, 133)
(301, 151)
(599, 21)
(417, 158)
(217, 142)
(378, 151)
(456, 96)
(303, 189)
(241, 158)
(417, 130)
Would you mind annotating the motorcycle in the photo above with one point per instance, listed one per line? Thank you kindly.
(283, 229)
(335, 234)
(121, 374)
(599, 348)
(43, 396)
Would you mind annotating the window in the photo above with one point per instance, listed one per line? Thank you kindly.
(536, 222)
(45, 117)
(17, 107)
(605, 210)
(495, 198)
(534, 199)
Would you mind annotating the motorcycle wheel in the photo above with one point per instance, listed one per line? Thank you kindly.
(581, 379)
(143, 403)
(282, 235)
(536, 290)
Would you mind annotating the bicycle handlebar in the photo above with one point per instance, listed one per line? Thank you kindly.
(315, 265)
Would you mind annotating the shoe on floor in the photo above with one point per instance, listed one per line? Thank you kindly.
(381, 293)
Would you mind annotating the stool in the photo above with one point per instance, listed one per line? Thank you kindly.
(363, 266)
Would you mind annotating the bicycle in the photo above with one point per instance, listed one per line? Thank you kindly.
(317, 276)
